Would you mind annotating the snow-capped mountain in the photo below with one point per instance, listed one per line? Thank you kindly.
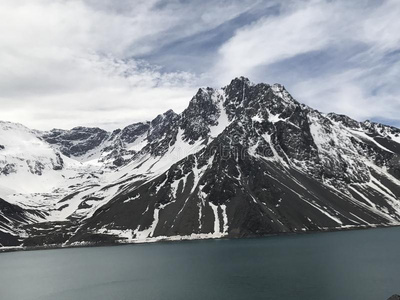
(244, 160)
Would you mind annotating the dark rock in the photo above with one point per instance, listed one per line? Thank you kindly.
(8, 169)
(77, 141)
(278, 167)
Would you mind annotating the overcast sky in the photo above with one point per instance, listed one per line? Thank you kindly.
(110, 63)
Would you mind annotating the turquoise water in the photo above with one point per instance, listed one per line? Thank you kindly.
(363, 264)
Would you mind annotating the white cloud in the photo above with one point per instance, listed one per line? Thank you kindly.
(380, 27)
(355, 92)
(358, 86)
(67, 63)
(272, 39)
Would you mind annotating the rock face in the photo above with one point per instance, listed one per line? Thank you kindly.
(77, 141)
(394, 297)
(12, 218)
(244, 160)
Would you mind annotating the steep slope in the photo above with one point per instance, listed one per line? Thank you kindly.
(26, 162)
(96, 145)
(267, 165)
(37, 178)
(12, 220)
(244, 160)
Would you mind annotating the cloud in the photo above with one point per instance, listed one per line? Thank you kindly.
(358, 40)
(67, 63)
(354, 93)
(272, 39)
(110, 63)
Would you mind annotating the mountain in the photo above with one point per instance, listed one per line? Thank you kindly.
(244, 160)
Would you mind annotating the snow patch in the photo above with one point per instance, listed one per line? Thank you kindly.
(223, 120)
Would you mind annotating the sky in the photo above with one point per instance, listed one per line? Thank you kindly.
(108, 63)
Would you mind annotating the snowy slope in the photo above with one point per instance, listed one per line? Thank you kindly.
(28, 164)
(244, 160)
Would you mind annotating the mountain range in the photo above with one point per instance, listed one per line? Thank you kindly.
(243, 160)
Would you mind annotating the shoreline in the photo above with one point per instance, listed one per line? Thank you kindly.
(186, 239)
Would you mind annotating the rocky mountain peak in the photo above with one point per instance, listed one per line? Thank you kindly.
(239, 82)
(344, 120)
(77, 141)
(202, 113)
(244, 160)
(237, 92)
(130, 133)
(163, 118)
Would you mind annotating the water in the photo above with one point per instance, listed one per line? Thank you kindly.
(362, 264)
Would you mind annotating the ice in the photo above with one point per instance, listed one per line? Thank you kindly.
(217, 230)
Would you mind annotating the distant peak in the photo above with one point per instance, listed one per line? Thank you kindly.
(278, 87)
(345, 120)
(168, 115)
(204, 91)
(240, 80)
(169, 112)
(87, 129)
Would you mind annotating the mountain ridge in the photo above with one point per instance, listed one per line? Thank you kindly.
(244, 160)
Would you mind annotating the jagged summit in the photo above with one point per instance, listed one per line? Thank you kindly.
(243, 160)
(239, 82)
